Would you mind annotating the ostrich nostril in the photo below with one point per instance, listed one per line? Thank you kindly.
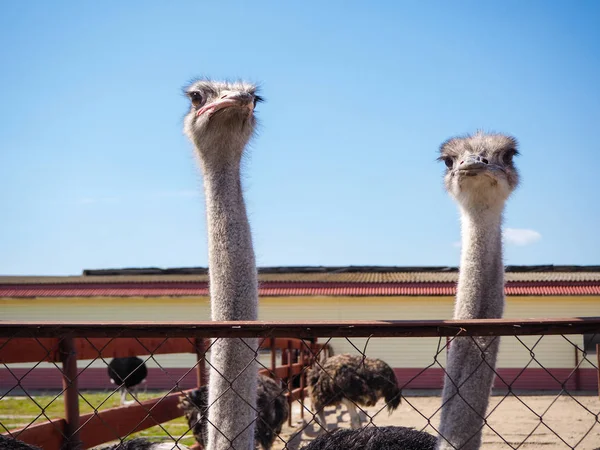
(223, 96)
(462, 161)
(485, 161)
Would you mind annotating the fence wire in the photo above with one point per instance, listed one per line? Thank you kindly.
(89, 391)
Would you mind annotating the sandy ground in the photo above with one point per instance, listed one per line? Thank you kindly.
(514, 423)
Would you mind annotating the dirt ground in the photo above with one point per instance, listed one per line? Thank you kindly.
(514, 423)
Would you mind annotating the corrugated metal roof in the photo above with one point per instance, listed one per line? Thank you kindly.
(303, 281)
(268, 289)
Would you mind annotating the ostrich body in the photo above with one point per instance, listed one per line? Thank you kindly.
(352, 380)
(374, 438)
(480, 176)
(220, 123)
(8, 443)
(271, 405)
(127, 373)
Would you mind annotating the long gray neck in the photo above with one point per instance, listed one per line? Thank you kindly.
(232, 266)
(471, 361)
(234, 296)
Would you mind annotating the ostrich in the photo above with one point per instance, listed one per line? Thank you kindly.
(127, 373)
(271, 405)
(9, 443)
(480, 176)
(352, 380)
(220, 123)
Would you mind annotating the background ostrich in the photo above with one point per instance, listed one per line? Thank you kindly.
(220, 123)
(127, 373)
(8, 443)
(271, 405)
(480, 176)
(352, 380)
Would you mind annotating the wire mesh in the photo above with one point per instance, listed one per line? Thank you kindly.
(57, 392)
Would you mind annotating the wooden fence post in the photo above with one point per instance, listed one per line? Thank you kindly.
(577, 372)
(68, 357)
(598, 356)
(302, 376)
(289, 381)
(273, 356)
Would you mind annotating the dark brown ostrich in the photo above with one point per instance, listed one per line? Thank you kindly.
(271, 405)
(352, 380)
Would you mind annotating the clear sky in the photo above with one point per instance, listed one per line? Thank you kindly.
(95, 171)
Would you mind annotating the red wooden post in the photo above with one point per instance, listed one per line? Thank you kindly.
(577, 373)
(201, 373)
(302, 376)
(598, 356)
(68, 357)
(273, 355)
(314, 351)
(289, 381)
(284, 357)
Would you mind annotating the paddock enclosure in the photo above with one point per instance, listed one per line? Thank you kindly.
(57, 335)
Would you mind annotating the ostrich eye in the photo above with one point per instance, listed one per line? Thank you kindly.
(196, 98)
(449, 162)
(507, 158)
(257, 99)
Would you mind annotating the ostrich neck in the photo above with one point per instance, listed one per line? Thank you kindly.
(234, 296)
(471, 361)
(233, 279)
(480, 291)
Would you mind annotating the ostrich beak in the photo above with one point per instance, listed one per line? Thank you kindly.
(236, 99)
(472, 165)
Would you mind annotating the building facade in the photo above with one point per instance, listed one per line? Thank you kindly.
(317, 293)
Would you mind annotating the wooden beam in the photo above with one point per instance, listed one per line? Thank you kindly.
(47, 436)
(91, 348)
(381, 328)
(114, 423)
(282, 372)
(20, 350)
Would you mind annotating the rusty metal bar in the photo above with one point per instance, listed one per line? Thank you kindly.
(71, 395)
(382, 328)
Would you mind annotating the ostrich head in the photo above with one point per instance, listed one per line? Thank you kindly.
(221, 119)
(480, 172)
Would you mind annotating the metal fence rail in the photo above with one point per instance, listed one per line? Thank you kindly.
(290, 350)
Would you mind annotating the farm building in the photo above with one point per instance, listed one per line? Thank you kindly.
(321, 293)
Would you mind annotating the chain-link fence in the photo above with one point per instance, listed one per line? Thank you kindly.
(78, 385)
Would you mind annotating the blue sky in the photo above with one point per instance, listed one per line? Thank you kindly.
(95, 171)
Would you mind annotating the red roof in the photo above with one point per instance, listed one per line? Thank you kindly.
(131, 288)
